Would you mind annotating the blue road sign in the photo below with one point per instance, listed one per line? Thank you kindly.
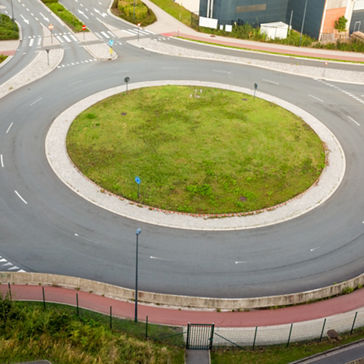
(111, 42)
(137, 180)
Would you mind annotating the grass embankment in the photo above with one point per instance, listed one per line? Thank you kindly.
(280, 354)
(140, 14)
(71, 20)
(27, 332)
(8, 29)
(198, 150)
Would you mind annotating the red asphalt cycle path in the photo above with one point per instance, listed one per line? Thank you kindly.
(176, 317)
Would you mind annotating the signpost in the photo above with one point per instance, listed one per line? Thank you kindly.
(51, 27)
(255, 88)
(110, 43)
(138, 29)
(126, 80)
(47, 50)
(138, 180)
(84, 30)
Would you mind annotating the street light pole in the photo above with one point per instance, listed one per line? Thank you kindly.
(138, 231)
(303, 21)
(12, 11)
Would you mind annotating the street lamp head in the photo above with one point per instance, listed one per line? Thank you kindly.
(138, 231)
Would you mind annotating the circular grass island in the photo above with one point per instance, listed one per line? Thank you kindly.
(196, 149)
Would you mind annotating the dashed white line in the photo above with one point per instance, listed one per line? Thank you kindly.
(9, 127)
(239, 262)
(36, 101)
(44, 17)
(59, 39)
(313, 249)
(158, 258)
(21, 198)
(353, 120)
(316, 98)
(7, 264)
(270, 81)
(2, 161)
(14, 268)
(3, 260)
(31, 42)
(25, 20)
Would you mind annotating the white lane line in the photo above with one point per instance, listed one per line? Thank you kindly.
(44, 17)
(105, 35)
(37, 100)
(21, 270)
(148, 31)
(343, 91)
(82, 13)
(270, 81)
(127, 31)
(14, 268)
(39, 41)
(9, 127)
(36, 19)
(353, 120)
(98, 36)
(2, 161)
(31, 42)
(7, 264)
(158, 258)
(59, 39)
(240, 261)
(222, 71)
(3, 260)
(316, 98)
(18, 194)
(313, 249)
(74, 38)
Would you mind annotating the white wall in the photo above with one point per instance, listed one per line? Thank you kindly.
(191, 5)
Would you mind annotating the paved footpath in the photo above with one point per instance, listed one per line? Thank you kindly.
(237, 326)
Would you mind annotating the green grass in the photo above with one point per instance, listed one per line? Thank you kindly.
(71, 20)
(27, 332)
(199, 150)
(2, 58)
(280, 354)
(8, 29)
(140, 15)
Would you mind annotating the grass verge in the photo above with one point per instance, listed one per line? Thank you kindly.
(198, 150)
(135, 12)
(28, 332)
(8, 29)
(71, 20)
(2, 58)
(280, 354)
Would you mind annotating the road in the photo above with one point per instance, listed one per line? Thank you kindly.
(45, 227)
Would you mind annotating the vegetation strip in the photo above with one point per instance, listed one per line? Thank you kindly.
(134, 11)
(8, 29)
(71, 20)
(199, 150)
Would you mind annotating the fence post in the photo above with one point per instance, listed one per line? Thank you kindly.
(146, 327)
(9, 290)
(44, 302)
(110, 317)
(77, 312)
(323, 328)
(289, 335)
(255, 336)
(352, 327)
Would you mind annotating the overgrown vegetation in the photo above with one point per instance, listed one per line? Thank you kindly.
(280, 354)
(134, 11)
(27, 332)
(2, 58)
(199, 150)
(8, 29)
(71, 20)
(340, 24)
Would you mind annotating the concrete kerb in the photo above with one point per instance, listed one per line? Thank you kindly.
(177, 301)
(60, 162)
(303, 71)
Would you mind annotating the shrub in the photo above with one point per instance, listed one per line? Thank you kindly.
(8, 28)
(138, 14)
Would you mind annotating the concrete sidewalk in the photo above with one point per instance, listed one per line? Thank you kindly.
(273, 325)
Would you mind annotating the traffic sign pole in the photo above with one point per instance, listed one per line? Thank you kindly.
(84, 30)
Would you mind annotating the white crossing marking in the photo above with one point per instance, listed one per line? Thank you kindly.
(14, 268)
(98, 35)
(67, 39)
(59, 39)
(126, 31)
(2, 161)
(73, 37)
(105, 35)
(7, 264)
(316, 98)
(3, 260)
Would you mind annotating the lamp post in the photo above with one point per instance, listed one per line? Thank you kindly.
(138, 231)
(12, 11)
(303, 21)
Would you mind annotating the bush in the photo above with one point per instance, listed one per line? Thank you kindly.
(8, 28)
(141, 14)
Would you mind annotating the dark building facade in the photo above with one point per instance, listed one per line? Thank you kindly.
(255, 12)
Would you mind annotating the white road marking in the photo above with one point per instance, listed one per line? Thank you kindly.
(81, 12)
(7, 264)
(32, 14)
(126, 31)
(148, 31)
(14, 268)
(313, 249)
(2, 161)
(39, 41)
(343, 91)
(76, 234)
(67, 39)
(98, 35)
(18, 194)
(222, 71)
(270, 81)
(21, 270)
(75, 82)
(105, 35)
(31, 42)
(9, 127)
(112, 35)
(240, 261)
(353, 120)
(37, 100)
(36, 19)
(74, 38)
(316, 98)
(158, 258)
(3, 260)
(25, 20)
(59, 39)
(99, 12)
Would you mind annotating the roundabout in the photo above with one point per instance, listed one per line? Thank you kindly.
(58, 232)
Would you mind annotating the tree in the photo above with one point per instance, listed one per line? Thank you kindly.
(340, 24)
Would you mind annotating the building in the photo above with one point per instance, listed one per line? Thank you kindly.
(317, 17)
